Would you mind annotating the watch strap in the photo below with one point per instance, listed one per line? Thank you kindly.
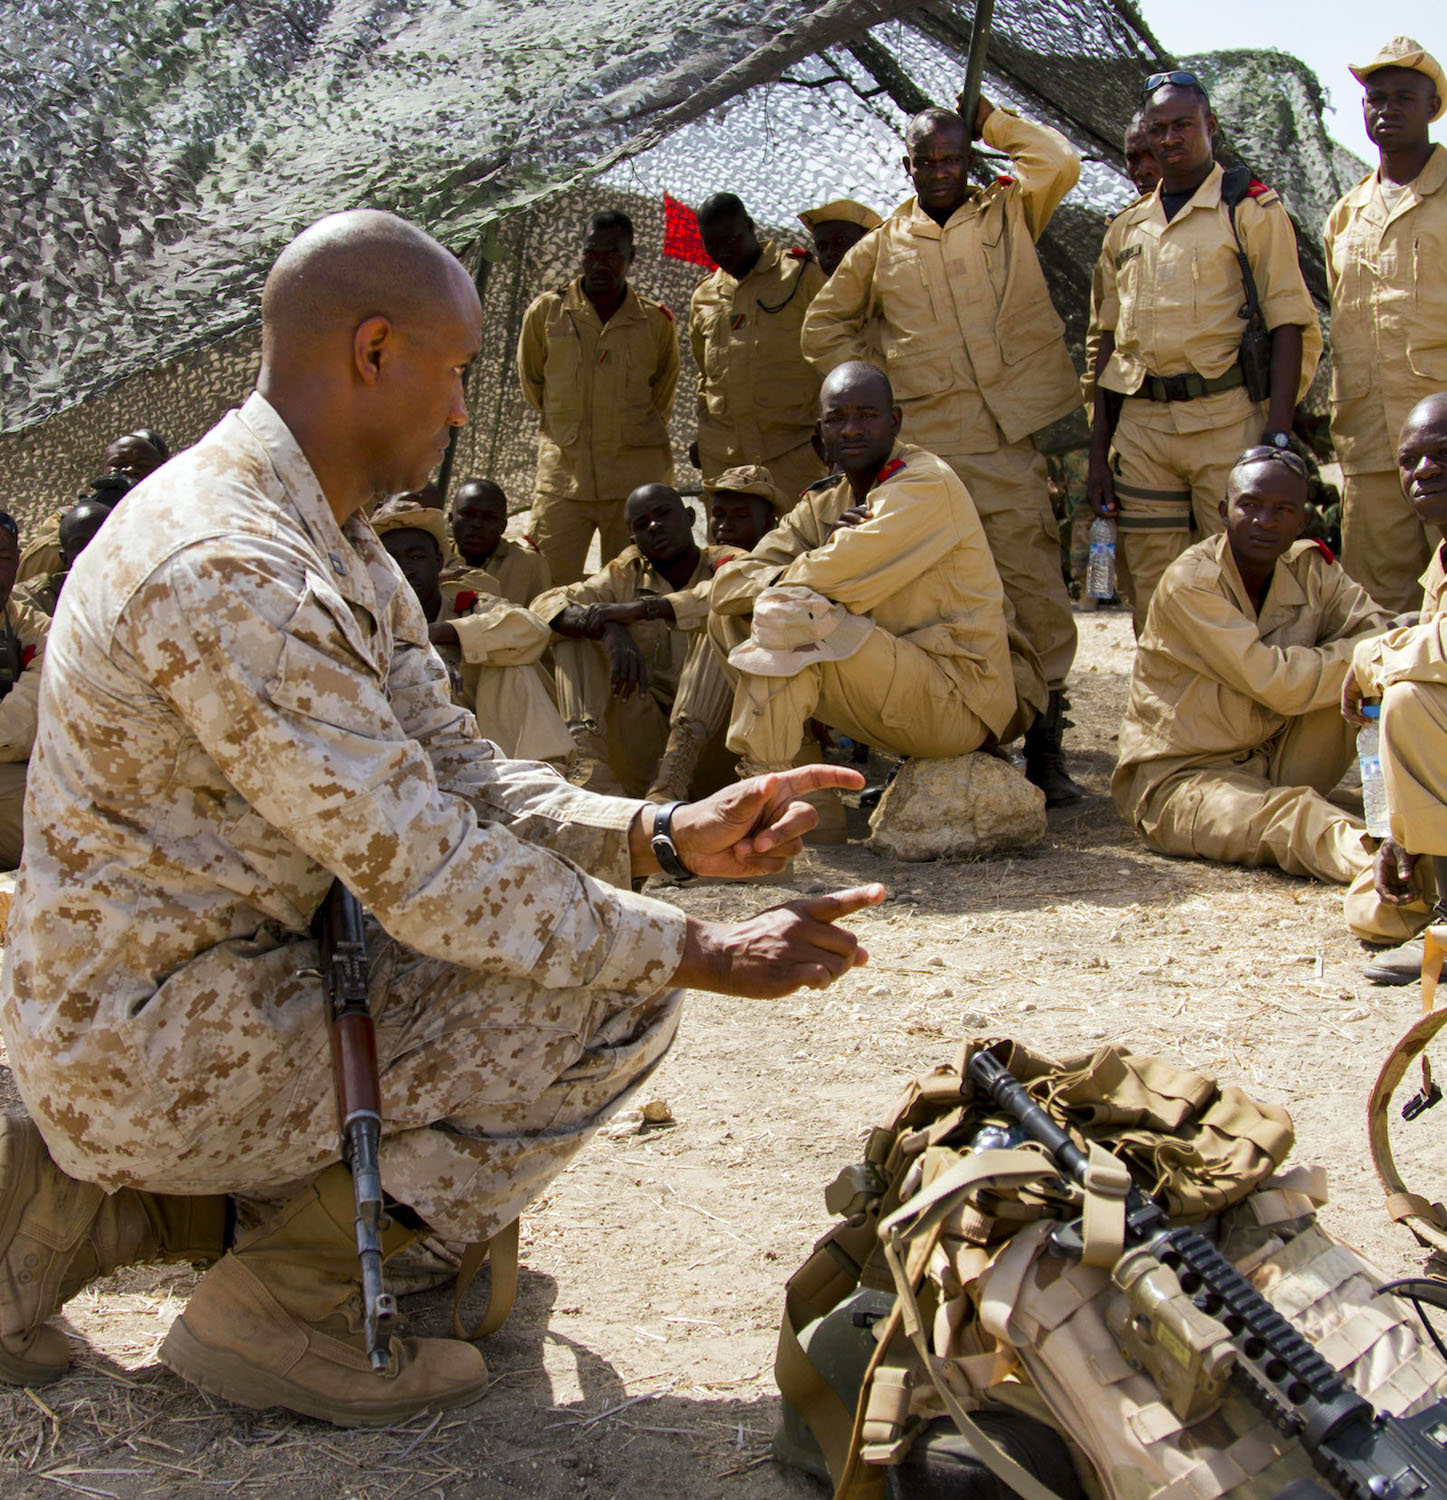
(665, 851)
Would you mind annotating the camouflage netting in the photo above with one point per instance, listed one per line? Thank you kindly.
(155, 157)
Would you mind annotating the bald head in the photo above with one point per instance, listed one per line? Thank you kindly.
(930, 122)
(78, 527)
(1422, 460)
(858, 420)
(368, 327)
(857, 379)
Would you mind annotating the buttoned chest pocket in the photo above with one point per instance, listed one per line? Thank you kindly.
(1131, 286)
(906, 299)
(721, 327)
(563, 384)
(626, 394)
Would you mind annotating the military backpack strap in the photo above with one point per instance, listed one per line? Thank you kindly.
(502, 1251)
(1426, 1220)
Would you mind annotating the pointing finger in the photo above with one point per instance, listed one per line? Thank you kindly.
(839, 904)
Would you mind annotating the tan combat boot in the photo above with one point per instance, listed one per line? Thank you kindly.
(57, 1235)
(591, 769)
(277, 1322)
(674, 777)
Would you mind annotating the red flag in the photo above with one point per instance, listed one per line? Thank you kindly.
(681, 239)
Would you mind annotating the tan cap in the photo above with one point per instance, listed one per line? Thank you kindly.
(401, 514)
(751, 479)
(1404, 52)
(794, 627)
(843, 211)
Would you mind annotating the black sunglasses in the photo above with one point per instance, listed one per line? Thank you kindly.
(1179, 79)
(1293, 461)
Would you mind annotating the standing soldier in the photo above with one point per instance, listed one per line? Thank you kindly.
(599, 364)
(951, 288)
(757, 396)
(836, 228)
(1173, 411)
(1386, 249)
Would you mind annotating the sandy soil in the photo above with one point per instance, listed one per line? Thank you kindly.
(638, 1360)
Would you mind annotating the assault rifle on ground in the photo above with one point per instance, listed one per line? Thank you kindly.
(1362, 1454)
(359, 1100)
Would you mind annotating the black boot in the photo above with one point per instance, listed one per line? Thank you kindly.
(1044, 760)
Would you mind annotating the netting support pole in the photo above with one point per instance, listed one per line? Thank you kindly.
(975, 68)
(479, 280)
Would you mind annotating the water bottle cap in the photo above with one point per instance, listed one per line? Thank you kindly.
(1371, 710)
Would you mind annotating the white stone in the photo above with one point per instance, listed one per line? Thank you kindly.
(969, 804)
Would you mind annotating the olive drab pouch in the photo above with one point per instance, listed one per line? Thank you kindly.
(953, 1212)
(1255, 353)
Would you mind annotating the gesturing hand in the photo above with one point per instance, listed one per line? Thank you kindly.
(779, 951)
(754, 827)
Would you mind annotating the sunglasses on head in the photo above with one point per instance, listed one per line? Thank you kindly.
(1293, 461)
(1179, 79)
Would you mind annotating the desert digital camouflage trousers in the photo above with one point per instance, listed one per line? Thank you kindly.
(490, 1084)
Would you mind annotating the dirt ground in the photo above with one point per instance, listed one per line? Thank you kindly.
(638, 1361)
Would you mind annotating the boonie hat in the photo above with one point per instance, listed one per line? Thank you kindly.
(795, 627)
(402, 514)
(751, 479)
(843, 211)
(1405, 52)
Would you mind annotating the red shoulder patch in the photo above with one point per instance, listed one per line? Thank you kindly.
(1005, 181)
(527, 538)
(719, 562)
(27, 655)
(889, 470)
(798, 254)
(1325, 551)
(464, 601)
(667, 312)
(1256, 188)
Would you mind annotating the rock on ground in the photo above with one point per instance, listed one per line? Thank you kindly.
(969, 804)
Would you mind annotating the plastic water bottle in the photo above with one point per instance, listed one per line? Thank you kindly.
(1100, 570)
(1374, 788)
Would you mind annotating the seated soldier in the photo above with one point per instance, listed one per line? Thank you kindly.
(131, 458)
(23, 630)
(78, 526)
(874, 605)
(479, 518)
(744, 506)
(490, 646)
(632, 637)
(1233, 734)
(1406, 671)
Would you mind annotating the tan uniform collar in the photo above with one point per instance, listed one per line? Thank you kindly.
(770, 256)
(919, 223)
(576, 301)
(1208, 195)
(345, 548)
(1429, 180)
(1285, 594)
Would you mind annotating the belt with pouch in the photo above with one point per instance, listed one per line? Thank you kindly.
(1190, 386)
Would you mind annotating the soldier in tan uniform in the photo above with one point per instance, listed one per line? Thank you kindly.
(479, 518)
(23, 631)
(951, 290)
(1405, 671)
(241, 705)
(599, 364)
(1172, 413)
(631, 641)
(874, 605)
(756, 393)
(1386, 250)
(492, 648)
(836, 228)
(1233, 735)
(78, 528)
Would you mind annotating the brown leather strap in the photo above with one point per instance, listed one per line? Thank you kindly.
(502, 1251)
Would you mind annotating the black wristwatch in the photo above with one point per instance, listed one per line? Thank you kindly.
(652, 607)
(665, 851)
(1276, 439)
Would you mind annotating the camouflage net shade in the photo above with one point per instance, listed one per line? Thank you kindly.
(156, 156)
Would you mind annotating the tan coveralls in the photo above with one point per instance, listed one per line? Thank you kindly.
(519, 571)
(1387, 268)
(604, 393)
(1171, 294)
(498, 671)
(23, 634)
(679, 659)
(1406, 670)
(1234, 730)
(934, 676)
(976, 353)
(240, 704)
(758, 398)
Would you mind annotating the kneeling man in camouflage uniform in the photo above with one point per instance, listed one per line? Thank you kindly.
(241, 705)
